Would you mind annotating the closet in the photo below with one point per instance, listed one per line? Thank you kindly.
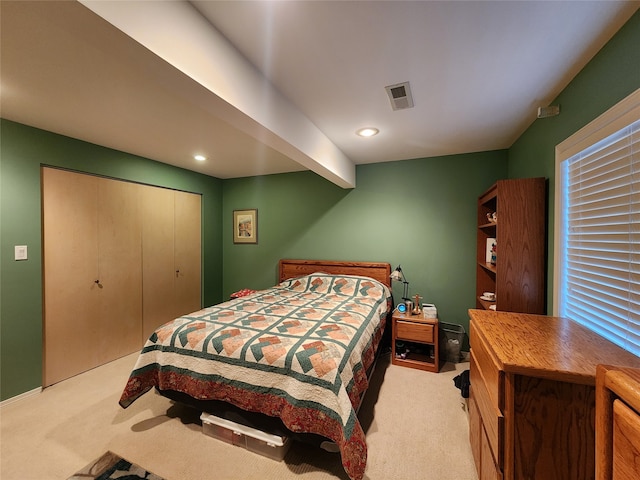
(171, 263)
(98, 242)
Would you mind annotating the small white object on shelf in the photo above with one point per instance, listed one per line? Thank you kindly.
(429, 310)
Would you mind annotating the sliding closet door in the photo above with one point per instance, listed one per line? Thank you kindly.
(157, 262)
(92, 272)
(188, 258)
(70, 271)
(171, 242)
(120, 270)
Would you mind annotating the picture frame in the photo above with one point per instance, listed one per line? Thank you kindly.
(245, 226)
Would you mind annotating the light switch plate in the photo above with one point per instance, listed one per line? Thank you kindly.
(21, 252)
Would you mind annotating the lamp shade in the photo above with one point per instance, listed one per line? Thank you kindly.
(397, 275)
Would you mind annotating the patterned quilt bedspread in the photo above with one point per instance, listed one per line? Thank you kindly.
(298, 351)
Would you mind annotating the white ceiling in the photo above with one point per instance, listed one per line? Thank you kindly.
(266, 87)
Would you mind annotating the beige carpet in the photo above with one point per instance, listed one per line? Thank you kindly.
(415, 422)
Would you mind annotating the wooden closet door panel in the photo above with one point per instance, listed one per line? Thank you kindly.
(188, 258)
(120, 263)
(70, 269)
(158, 270)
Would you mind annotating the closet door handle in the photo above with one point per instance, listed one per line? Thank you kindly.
(97, 282)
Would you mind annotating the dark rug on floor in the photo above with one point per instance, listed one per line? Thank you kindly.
(110, 467)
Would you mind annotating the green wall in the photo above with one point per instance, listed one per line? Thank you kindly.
(417, 213)
(610, 76)
(22, 151)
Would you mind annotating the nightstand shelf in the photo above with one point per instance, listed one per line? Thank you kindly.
(420, 336)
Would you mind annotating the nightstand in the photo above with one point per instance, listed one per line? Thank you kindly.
(418, 335)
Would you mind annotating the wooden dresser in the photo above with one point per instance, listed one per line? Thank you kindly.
(617, 423)
(532, 396)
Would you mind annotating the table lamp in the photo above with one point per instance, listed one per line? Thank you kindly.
(398, 276)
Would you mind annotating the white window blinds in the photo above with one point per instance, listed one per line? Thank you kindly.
(600, 238)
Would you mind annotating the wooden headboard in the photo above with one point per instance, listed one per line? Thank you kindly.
(297, 268)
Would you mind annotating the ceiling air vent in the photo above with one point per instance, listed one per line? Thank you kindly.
(400, 96)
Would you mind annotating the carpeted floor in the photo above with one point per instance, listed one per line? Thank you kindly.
(415, 424)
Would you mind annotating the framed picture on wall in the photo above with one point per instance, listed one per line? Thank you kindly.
(245, 226)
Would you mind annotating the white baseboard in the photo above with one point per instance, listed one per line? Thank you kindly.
(22, 396)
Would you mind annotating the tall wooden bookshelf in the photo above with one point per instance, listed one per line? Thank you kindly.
(518, 277)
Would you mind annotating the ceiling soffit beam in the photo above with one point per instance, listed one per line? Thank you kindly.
(180, 35)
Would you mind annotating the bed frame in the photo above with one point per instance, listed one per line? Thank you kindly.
(297, 268)
(273, 425)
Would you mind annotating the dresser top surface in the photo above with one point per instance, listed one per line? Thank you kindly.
(547, 347)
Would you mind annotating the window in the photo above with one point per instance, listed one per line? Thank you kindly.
(597, 254)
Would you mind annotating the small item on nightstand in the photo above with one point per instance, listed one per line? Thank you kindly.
(417, 309)
(429, 310)
(408, 306)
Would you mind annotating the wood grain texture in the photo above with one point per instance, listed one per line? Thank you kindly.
(414, 332)
(547, 396)
(519, 276)
(552, 420)
(475, 429)
(625, 383)
(488, 470)
(547, 347)
(521, 245)
(617, 422)
(492, 375)
(492, 417)
(626, 442)
(415, 328)
(297, 268)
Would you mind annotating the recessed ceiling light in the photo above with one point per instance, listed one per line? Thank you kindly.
(200, 158)
(368, 132)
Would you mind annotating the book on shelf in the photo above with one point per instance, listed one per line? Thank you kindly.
(491, 243)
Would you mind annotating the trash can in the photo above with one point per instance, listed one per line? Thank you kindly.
(451, 341)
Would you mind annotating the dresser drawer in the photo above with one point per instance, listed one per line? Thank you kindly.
(475, 430)
(492, 376)
(414, 332)
(626, 442)
(491, 415)
(488, 469)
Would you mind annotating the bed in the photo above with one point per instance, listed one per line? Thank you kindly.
(298, 352)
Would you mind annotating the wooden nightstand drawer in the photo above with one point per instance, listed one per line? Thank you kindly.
(415, 332)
